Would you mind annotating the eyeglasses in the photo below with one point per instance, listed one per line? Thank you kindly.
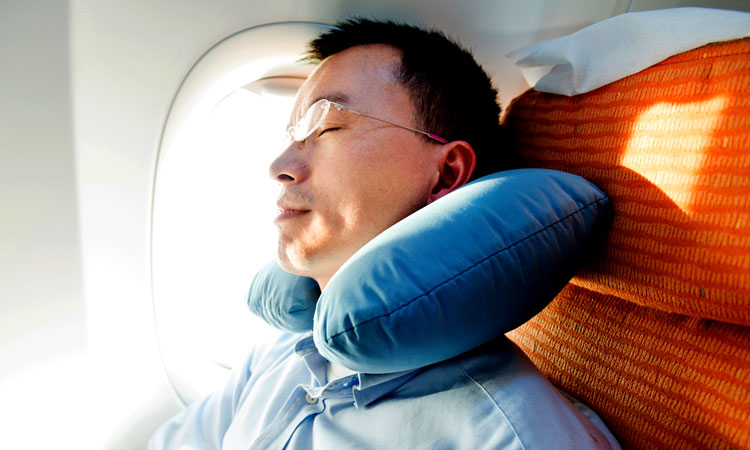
(319, 110)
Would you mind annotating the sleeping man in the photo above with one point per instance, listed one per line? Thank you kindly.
(392, 119)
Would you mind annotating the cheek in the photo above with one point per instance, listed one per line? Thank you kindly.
(375, 187)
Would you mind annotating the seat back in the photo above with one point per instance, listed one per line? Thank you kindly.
(655, 335)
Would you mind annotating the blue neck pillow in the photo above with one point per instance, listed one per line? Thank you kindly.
(284, 300)
(455, 274)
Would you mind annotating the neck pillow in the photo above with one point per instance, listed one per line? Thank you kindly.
(455, 274)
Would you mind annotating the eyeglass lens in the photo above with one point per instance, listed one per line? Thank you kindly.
(310, 121)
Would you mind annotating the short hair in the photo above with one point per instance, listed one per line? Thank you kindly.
(452, 94)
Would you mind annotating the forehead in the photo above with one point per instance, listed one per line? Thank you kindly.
(360, 77)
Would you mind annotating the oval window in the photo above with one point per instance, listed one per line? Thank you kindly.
(214, 202)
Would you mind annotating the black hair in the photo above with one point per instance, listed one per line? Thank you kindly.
(452, 95)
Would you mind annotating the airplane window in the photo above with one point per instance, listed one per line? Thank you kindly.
(214, 203)
(215, 227)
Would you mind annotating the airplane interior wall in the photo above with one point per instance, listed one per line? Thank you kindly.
(86, 89)
(43, 318)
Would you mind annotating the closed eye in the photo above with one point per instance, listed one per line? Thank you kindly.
(326, 130)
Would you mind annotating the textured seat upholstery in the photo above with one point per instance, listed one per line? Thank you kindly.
(655, 334)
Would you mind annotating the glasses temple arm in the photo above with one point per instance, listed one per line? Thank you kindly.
(430, 135)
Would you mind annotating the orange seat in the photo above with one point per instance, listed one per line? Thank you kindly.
(655, 335)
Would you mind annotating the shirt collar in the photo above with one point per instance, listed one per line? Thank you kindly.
(368, 388)
(374, 386)
(316, 364)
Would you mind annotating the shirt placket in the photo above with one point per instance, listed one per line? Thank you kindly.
(303, 404)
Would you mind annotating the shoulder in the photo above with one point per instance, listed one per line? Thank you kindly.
(494, 391)
(266, 355)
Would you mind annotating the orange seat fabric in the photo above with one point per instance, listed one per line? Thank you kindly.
(654, 334)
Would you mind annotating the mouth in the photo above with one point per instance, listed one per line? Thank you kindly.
(285, 214)
(288, 212)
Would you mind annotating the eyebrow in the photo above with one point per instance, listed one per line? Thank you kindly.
(338, 97)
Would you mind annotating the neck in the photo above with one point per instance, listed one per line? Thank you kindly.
(335, 371)
(322, 281)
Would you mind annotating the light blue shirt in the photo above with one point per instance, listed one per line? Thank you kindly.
(491, 397)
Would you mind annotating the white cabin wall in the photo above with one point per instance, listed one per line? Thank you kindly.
(42, 309)
(40, 247)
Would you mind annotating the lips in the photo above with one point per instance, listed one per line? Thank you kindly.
(289, 210)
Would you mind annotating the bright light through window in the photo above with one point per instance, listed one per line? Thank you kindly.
(212, 231)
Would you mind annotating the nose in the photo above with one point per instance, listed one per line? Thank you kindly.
(289, 167)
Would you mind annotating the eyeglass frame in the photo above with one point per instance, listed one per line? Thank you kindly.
(326, 104)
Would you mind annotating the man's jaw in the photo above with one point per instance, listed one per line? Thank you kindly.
(293, 261)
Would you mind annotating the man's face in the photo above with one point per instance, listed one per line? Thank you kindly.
(354, 176)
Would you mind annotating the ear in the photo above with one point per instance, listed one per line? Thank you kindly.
(457, 163)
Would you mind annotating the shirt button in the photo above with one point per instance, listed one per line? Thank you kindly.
(310, 399)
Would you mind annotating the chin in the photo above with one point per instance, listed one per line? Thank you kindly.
(288, 265)
(294, 262)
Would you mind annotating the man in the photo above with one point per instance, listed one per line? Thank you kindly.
(392, 119)
(335, 200)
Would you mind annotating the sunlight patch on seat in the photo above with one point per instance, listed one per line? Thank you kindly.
(670, 143)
